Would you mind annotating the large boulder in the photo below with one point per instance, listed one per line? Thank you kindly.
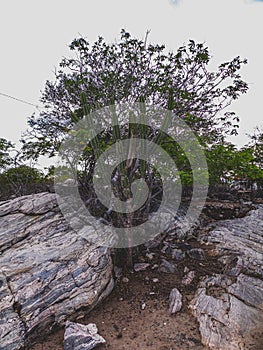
(48, 273)
(229, 307)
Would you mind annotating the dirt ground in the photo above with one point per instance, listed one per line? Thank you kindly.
(135, 315)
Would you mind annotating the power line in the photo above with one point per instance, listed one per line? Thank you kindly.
(19, 100)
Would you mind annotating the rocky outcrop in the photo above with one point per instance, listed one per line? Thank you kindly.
(81, 337)
(229, 307)
(48, 273)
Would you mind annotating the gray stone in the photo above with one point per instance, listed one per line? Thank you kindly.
(167, 267)
(175, 300)
(196, 254)
(48, 272)
(229, 307)
(177, 254)
(188, 278)
(141, 266)
(81, 337)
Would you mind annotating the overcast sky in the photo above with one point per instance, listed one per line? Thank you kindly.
(35, 36)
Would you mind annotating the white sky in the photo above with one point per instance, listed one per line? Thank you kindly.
(35, 36)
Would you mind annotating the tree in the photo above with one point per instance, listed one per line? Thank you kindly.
(221, 158)
(127, 71)
(6, 160)
(132, 70)
(255, 149)
(21, 180)
(256, 144)
(16, 178)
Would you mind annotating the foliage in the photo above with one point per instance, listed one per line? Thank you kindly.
(6, 159)
(227, 163)
(256, 145)
(129, 70)
(21, 180)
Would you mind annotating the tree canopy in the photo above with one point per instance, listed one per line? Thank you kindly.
(130, 70)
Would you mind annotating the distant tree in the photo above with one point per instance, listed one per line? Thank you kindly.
(21, 180)
(221, 159)
(6, 159)
(256, 143)
(255, 149)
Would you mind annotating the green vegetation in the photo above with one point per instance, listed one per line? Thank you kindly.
(132, 70)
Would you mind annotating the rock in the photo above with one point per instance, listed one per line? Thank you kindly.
(150, 256)
(125, 280)
(81, 337)
(188, 279)
(175, 300)
(240, 240)
(48, 272)
(196, 254)
(155, 280)
(231, 316)
(177, 254)
(229, 307)
(155, 266)
(143, 306)
(140, 266)
(167, 267)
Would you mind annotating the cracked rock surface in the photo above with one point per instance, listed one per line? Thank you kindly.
(229, 307)
(48, 273)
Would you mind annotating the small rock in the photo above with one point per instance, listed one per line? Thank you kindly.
(150, 256)
(125, 280)
(79, 336)
(175, 300)
(167, 267)
(164, 249)
(155, 266)
(188, 278)
(140, 266)
(178, 254)
(186, 269)
(196, 254)
(155, 280)
(143, 306)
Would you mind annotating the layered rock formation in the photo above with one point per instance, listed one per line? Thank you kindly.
(47, 271)
(229, 307)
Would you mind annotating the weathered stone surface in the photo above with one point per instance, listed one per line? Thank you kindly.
(175, 300)
(229, 307)
(196, 254)
(140, 266)
(167, 267)
(48, 273)
(177, 254)
(188, 278)
(81, 337)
